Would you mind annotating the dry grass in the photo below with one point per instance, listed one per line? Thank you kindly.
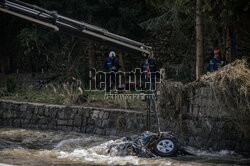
(66, 94)
(230, 87)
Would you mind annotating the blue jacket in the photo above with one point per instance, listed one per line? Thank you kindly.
(109, 64)
(152, 67)
(215, 64)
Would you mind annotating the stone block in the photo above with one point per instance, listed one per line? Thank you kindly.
(95, 114)
(43, 121)
(86, 113)
(36, 109)
(4, 115)
(111, 123)
(101, 114)
(35, 126)
(62, 122)
(98, 123)
(69, 113)
(100, 131)
(41, 111)
(90, 129)
(83, 129)
(70, 128)
(90, 121)
(15, 114)
(113, 132)
(9, 114)
(77, 121)
(54, 112)
(6, 122)
(26, 121)
(84, 121)
(28, 116)
(46, 111)
(23, 107)
(61, 114)
(65, 128)
(17, 123)
(44, 127)
(1, 112)
(113, 115)
(129, 125)
(52, 124)
(105, 123)
(106, 115)
(142, 127)
(70, 122)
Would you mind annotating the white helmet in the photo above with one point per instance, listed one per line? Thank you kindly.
(112, 54)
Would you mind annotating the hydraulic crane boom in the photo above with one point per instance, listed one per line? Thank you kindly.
(60, 23)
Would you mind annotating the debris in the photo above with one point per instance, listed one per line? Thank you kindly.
(83, 98)
(148, 145)
(228, 87)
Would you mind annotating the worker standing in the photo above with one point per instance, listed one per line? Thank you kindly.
(149, 72)
(112, 66)
(216, 62)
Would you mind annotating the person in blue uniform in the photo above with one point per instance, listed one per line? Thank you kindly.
(148, 68)
(216, 62)
(111, 66)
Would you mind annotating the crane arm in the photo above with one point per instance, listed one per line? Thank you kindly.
(52, 19)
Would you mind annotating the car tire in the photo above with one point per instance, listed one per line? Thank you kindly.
(165, 147)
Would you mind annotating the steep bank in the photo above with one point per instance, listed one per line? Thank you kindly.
(212, 113)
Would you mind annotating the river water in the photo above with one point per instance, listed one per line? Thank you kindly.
(42, 148)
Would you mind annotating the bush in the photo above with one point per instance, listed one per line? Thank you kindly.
(10, 84)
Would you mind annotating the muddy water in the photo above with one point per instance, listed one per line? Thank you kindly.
(42, 148)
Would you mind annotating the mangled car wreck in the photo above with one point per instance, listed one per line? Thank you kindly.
(149, 144)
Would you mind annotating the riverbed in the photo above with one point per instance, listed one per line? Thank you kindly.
(24, 147)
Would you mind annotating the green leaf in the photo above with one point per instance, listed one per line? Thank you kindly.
(230, 12)
(245, 8)
(223, 13)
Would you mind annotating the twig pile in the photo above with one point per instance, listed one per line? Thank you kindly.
(230, 87)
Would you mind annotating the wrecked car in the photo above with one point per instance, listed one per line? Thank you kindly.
(149, 144)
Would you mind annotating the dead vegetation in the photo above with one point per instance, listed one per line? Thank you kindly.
(229, 87)
(69, 93)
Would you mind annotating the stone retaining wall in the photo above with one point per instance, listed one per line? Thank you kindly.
(202, 121)
(71, 118)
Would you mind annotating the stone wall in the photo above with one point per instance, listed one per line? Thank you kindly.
(71, 118)
(201, 121)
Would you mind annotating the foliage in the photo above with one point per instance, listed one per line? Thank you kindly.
(37, 48)
(42, 49)
(10, 83)
(177, 20)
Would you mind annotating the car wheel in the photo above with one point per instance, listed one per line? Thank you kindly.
(165, 147)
